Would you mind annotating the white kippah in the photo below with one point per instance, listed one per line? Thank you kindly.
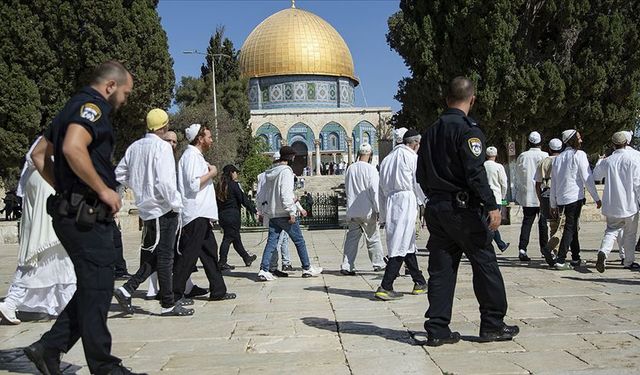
(365, 148)
(192, 132)
(535, 138)
(555, 144)
(492, 151)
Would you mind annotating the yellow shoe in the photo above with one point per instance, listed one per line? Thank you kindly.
(387, 295)
(419, 289)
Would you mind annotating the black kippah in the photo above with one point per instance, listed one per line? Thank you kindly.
(410, 133)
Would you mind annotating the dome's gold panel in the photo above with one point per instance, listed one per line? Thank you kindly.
(292, 42)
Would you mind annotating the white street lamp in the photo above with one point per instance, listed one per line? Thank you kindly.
(213, 84)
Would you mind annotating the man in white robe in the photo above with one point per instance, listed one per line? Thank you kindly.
(361, 186)
(621, 173)
(399, 195)
(526, 196)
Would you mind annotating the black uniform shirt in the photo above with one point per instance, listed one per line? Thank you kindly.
(451, 159)
(89, 109)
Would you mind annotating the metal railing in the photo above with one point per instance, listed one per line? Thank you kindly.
(322, 214)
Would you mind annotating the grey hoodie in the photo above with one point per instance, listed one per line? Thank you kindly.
(276, 198)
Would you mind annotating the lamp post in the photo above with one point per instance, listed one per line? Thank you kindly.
(213, 84)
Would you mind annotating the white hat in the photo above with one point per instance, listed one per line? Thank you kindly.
(568, 134)
(192, 132)
(535, 138)
(398, 134)
(629, 136)
(492, 151)
(555, 144)
(365, 148)
(619, 138)
(276, 155)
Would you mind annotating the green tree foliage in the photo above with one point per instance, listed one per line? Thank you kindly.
(50, 48)
(546, 65)
(255, 163)
(194, 98)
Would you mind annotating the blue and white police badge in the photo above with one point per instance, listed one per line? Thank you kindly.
(475, 145)
(90, 112)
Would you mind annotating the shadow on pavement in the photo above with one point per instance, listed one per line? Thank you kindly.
(247, 275)
(607, 280)
(14, 360)
(365, 329)
(366, 294)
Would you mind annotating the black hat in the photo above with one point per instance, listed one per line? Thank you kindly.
(410, 133)
(287, 153)
(230, 168)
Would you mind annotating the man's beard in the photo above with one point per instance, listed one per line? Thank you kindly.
(114, 104)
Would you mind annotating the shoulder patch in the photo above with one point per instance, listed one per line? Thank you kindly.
(475, 145)
(90, 112)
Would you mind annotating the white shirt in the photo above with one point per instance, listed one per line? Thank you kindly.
(148, 169)
(398, 173)
(569, 174)
(361, 185)
(526, 166)
(197, 202)
(497, 179)
(621, 172)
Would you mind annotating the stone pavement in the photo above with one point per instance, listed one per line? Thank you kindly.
(572, 322)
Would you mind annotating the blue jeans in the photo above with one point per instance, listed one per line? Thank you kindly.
(276, 226)
(283, 248)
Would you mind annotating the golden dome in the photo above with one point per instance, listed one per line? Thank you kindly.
(294, 41)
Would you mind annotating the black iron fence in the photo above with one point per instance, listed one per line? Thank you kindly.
(323, 213)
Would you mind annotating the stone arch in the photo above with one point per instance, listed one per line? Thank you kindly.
(362, 130)
(271, 134)
(333, 137)
(300, 132)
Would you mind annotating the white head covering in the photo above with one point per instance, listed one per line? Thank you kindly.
(492, 151)
(619, 138)
(192, 132)
(276, 155)
(535, 138)
(568, 134)
(398, 135)
(555, 144)
(629, 136)
(365, 148)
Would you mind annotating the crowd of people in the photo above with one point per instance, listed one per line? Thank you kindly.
(68, 247)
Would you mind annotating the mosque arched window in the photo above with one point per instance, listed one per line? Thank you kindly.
(264, 138)
(277, 142)
(334, 141)
(366, 138)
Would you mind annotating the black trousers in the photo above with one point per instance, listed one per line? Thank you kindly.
(530, 214)
(121, 264)
(197, 241)
(393, 269)
(455, 231)
(230, 223)
(571, 212)
(85, 316)
(158, 258)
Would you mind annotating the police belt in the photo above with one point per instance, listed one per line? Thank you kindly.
(460, 199)
(83, 205)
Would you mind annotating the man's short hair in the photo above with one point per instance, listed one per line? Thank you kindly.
(110, 70)
(460, 89)
(411, 140)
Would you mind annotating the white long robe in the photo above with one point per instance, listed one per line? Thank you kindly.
(44, 280)
(399, 195)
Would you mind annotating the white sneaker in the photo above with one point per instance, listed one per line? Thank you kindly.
(8, 314)
(312, 271)
(265, 276)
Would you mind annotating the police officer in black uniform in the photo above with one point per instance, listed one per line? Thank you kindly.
(461, 214)
(81, 141)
